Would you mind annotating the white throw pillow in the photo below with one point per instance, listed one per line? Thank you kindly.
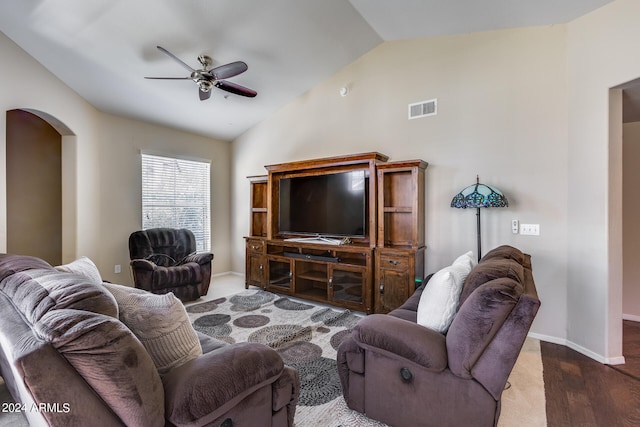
(83, 266)
(467, 260)
(161, 324)
(440, 297)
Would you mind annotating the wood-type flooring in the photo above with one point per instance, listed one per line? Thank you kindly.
(582, 392)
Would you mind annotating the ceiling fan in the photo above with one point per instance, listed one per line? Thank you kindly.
(206, 78)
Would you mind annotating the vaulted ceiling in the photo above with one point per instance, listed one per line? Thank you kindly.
(103, 49)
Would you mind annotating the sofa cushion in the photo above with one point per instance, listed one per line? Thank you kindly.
(10, 264)
(477, 322)
(488, 270)
(160, 322)
(83, 266)
(439, 300)
(35, 292)
(505, 252)
(110, 359)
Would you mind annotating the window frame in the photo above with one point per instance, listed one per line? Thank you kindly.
(173, 208)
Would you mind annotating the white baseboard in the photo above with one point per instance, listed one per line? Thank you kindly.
(619, 360)
(631, 317)
(233, 273)
(548, 338)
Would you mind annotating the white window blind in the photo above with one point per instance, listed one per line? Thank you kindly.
(175, 193)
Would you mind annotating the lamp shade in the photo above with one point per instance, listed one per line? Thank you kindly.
(479, 196)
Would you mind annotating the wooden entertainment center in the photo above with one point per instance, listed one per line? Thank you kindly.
(373, 272)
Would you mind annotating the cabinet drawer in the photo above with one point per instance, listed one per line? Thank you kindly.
(256, 246)
(394, 262)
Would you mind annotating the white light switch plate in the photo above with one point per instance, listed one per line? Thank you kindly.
(530, 229)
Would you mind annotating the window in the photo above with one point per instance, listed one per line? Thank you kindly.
(175, 193)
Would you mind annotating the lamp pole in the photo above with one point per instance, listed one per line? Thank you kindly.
(478, 232)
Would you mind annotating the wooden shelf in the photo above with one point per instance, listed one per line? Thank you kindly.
(316, 276)
(258, 209)
(401, 219)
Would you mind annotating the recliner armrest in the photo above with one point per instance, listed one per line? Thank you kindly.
(205, 388)
(403, 338)
(142, 264)
(199, 258)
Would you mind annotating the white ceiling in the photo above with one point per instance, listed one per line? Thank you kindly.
(103, 49)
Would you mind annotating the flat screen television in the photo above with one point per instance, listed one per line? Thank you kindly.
(324, 205)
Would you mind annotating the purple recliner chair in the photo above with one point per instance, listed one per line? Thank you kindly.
(403, 374)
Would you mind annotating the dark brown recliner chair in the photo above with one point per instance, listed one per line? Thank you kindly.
(164, 260)
(403, 374)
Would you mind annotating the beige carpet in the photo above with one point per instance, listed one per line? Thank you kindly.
(523, 404)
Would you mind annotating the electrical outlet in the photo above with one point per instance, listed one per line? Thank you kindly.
(515, 226)
(530, 229)
(117, 269)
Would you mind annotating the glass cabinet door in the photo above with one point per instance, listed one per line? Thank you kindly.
(347, 285)
(280, 274)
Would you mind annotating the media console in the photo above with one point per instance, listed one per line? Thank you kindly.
(373, 271)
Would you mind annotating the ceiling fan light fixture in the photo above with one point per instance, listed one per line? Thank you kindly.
(205, 85)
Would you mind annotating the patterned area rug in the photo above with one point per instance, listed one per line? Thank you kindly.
(307, 337)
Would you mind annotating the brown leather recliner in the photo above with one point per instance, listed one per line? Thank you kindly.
(164, 260)
(403, 374)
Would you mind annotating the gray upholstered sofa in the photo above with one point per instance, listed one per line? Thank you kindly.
(69, 361)
(406, 375)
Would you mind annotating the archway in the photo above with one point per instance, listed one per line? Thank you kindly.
(38, 185)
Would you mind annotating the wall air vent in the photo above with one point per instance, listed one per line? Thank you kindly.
(423, 109)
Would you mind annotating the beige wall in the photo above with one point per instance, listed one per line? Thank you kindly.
(631, 221)
(501, 114)
(80, 221)
(121, 141)
(600, 49)
(101, 166)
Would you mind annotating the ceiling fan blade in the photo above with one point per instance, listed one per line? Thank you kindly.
(165, 51)
(204, 95)
(169, 78)
(236, 88)
(228, 70)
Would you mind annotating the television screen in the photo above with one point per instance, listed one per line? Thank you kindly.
(329, 205)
